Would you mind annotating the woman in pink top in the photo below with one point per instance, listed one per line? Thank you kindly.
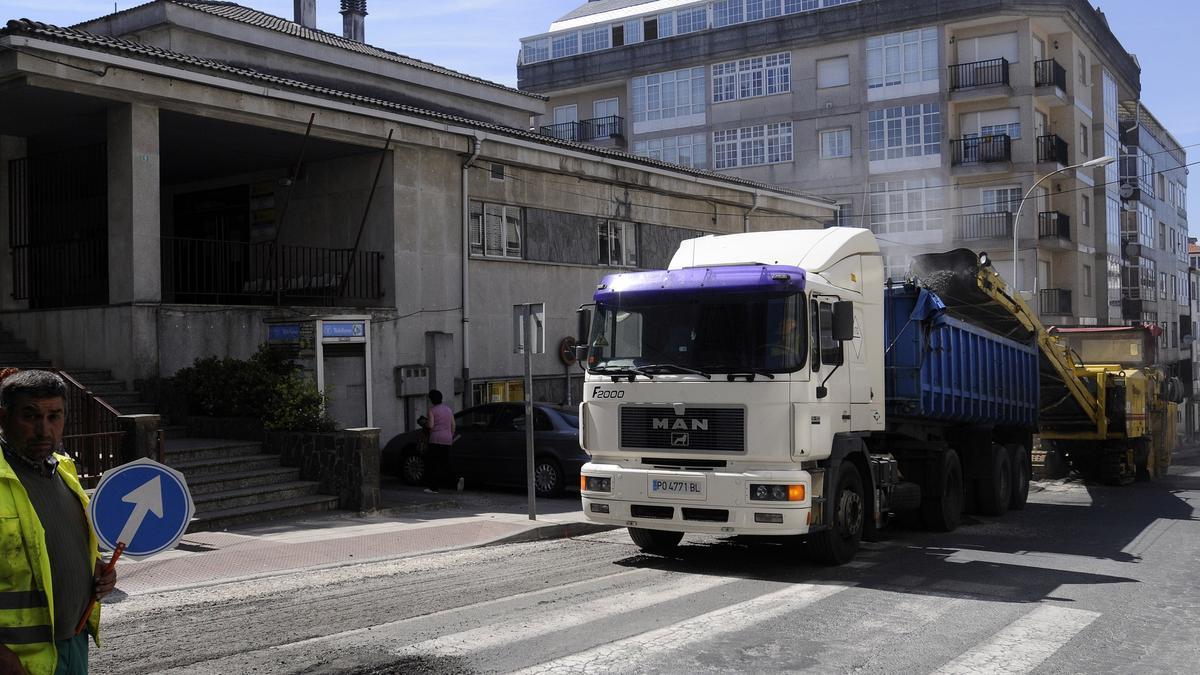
(441, 435)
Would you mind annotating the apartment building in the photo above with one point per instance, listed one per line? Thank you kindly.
(926, 122)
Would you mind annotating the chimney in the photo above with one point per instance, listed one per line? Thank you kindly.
(306, 13)
(354, 12)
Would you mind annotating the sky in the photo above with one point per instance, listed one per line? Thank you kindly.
(482, 38)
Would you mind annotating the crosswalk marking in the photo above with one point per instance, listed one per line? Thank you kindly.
(1022, 644)
(572, 616)
(632, 653)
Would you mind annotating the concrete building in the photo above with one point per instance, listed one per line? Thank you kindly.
(188, 178)
(926, 121)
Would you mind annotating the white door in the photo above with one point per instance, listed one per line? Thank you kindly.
(1039, 49)
(564, 118)
(604, 118)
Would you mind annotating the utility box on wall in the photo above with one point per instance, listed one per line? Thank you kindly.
(411, 380)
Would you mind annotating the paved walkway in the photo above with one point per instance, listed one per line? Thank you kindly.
(409, 523)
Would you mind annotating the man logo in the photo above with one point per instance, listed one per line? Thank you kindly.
(680, 440)
(678, 424)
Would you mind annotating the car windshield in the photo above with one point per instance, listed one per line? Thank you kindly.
(709, 333)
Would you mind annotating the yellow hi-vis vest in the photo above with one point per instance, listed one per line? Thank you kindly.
(26, 593)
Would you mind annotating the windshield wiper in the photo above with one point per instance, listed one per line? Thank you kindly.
(749, 374)
(676, 368)
(617, 372)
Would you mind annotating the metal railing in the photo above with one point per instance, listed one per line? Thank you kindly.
(985, 225)
(1049, 73)
(979, 74)
(981, 150)
(93, 435)
(1052, 224)
(1054, 301)
(595, 129)
(210, 271)
(1051, 148)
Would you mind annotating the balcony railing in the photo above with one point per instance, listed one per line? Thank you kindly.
(1054, 301)
(595, 129)
(1052, 224)
(981, 150)
(985, 225)
(241, 273)
(1049, 73)
(1051, 148)
(979, 74)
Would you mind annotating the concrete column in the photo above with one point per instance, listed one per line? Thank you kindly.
(141, 436)
(134, 258)
(11, 147)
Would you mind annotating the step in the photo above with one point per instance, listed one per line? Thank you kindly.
(119, 398)
(256, 494)
(86, 375)
(208, 467)
(104, 387)
(191, 449)
(137, 409)
(174, 431)
(219, 482)
(240, 515)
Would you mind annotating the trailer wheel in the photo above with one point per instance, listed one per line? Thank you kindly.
(655, 541)
(1020, 477)
(995, 485)
(838, 544)
(941, 510)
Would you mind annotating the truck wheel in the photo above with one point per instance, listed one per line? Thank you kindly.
(1020, 477)
(655, 541)
(995, 485)
(839, 543)
(941, 510)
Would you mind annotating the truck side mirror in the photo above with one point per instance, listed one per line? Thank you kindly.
(583, 325)
(843, 320)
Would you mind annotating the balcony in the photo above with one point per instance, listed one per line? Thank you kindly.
(979, 75)
(1052, 149)
(973, 226)
(981, 150)
(1049, 73)
(1055, 301)
(594, 130)
(1054, 225)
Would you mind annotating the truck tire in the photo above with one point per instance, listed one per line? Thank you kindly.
(941, 508)
(838, 544)
(994, 488)
(655, 541)
(1020, 477)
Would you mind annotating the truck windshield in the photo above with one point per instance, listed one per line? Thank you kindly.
(712, 333)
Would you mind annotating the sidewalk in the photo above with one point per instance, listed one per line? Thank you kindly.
(410, 522)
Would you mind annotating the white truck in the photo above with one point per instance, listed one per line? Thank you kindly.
(745, 390)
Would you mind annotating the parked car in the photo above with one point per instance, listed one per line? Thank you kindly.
(490, 448)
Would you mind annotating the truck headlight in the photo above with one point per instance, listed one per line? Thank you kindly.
(776, 493)
(595, 483)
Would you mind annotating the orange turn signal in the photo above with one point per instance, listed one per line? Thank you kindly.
(796, 493)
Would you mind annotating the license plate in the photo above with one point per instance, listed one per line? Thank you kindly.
(665, 487)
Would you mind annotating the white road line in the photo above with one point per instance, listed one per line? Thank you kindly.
(546, 622)
(1023, 644)
(632, 653)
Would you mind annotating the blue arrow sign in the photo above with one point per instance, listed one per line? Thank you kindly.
(144, 505)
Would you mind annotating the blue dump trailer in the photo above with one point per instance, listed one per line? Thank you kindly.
(962, 407)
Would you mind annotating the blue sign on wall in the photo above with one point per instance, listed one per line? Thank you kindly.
(343, 329)
(143, 504)
(283, 332)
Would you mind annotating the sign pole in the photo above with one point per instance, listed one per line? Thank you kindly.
(527, 341)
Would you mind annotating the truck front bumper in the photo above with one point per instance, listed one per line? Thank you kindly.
(724, 507)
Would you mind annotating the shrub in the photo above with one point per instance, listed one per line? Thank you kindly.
(298, 406)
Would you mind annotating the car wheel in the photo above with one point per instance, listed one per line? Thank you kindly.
(412, 466)
(655, 541)
(547, 477)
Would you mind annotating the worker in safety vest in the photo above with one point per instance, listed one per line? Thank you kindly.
(50, 567)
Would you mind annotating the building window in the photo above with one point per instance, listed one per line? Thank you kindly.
(1085, 211)
(750, 146)
(1083, 69)
(913, 205)
(691, 20)
(1087, 281)
(687, 150)
(902, 58)
(1000, 200)
(905, 131)
(833, 72)
(1083, 139)
(594, 38)
(616, 243)
(835, 143)
(536, 50)
(633, 31)
(666, 25)
(752, 77)
(564, 45)
(845, 214)
(496, 230)
(727, 12)
(793, 6)
(668, 95)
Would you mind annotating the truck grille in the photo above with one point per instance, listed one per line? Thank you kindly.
(697, 429)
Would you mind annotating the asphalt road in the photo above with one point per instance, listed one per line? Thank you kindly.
(1085, 580)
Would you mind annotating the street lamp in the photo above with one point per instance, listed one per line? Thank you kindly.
(1090, 164)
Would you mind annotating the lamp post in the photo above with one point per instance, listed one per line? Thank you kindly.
(1090, 164)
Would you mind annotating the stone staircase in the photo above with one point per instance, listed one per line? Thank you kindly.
(233, 482)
